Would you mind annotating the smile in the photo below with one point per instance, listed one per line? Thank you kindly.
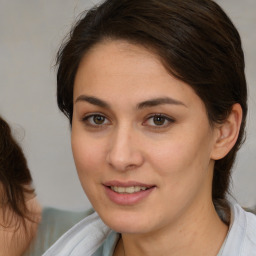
(128, 193)
(128, 190)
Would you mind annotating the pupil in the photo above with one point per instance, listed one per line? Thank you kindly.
(159, 120)
(99, 119)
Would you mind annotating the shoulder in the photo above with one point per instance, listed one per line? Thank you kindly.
(241, 239)
(250, 235)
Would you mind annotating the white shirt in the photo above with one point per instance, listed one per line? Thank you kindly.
(241, 237)
(91, 237)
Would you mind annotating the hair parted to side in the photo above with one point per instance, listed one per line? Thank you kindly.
(197, 43)
(15, 178)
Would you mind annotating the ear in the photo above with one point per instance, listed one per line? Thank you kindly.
(227, 133)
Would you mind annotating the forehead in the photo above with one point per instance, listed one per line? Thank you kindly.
(120, 70)
(122, 55)
(117, 59)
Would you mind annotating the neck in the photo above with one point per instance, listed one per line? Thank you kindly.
(200, 235)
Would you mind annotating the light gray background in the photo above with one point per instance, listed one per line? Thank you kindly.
(30, 33)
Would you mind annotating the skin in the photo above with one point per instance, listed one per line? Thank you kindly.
(14, 238)
(121, 140)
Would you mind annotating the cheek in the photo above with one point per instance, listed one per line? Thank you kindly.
(183, 156)
(87, 155)
(183, 165)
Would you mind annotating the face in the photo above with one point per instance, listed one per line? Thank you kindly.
(141, 140)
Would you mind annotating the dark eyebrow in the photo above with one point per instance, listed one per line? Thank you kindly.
(159, 101)
(144, 104)
(92, 100)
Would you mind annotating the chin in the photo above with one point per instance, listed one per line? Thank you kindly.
(127, 222)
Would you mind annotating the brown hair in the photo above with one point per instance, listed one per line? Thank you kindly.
(197, 43)
(15, 178)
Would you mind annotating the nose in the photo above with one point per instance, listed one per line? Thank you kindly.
(125, 150)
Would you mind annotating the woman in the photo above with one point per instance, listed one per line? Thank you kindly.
(19, 212)
(156, 96)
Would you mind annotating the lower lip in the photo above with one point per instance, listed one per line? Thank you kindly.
(128, 199)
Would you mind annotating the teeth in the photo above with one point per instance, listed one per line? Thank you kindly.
(127, 190)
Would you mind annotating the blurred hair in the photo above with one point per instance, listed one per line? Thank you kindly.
(15, 178)
(196, 42)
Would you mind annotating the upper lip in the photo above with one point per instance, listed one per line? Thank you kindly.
(116, 183)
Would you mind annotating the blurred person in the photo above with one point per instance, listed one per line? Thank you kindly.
(19, 209)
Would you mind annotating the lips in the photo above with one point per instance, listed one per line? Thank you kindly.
(127, 193)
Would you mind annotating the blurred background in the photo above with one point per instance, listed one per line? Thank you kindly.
(30, 35)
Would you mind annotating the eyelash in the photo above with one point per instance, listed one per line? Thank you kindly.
(86, 120)
(167, 121)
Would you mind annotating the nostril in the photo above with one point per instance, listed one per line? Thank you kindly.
(131, 166)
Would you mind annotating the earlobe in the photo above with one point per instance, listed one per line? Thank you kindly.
(227, 133)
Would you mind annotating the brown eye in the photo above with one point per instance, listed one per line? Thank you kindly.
(97, 119)
(159, 120)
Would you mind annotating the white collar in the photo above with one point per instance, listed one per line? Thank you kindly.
(82, 239)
